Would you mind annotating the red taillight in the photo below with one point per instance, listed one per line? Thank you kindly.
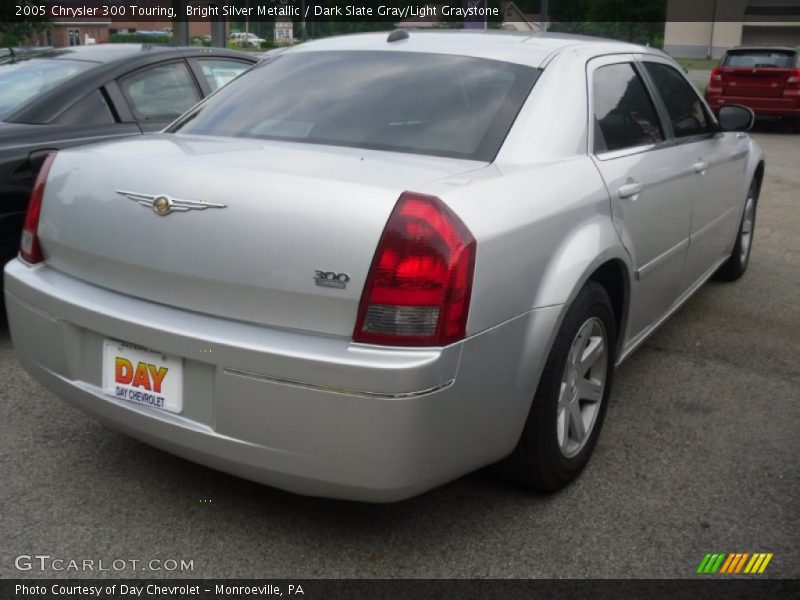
(793, 80)
(29, 249)
(716, 75)
(418, 289)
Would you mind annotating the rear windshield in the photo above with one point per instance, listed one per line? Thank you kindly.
(22, 81)
(418, 103)
(778, 59)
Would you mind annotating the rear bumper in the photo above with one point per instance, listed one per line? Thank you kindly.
(309, 414)
(775, 107)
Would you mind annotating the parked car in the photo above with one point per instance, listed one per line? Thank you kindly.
(247, 39)
(58, 98)
(375, 264)
(766, 79)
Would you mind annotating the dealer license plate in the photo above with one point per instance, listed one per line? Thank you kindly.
(143, 376)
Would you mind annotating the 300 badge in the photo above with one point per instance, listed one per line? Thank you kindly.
(331, 279)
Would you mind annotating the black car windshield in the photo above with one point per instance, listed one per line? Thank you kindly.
(777, 59)
(22, 81)
(433, 104)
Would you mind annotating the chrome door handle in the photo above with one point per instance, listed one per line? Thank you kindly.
(700, 166)
(630, 190)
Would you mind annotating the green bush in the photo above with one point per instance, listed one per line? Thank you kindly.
(138, 38)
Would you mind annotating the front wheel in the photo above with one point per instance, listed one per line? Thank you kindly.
(737, 263)
(570, 402)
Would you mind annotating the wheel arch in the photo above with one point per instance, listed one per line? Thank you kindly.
(758, 174)
(574, 264)
(614, 276)
(593, 252)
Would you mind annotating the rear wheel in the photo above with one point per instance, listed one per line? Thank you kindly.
(737, 263)
(570, 403)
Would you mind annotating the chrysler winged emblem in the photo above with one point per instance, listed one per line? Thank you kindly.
(162, 205)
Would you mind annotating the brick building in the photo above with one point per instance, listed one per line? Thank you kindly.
(79, 32)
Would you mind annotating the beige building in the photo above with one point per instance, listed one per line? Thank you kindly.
(513, 19)
(516, 20)
(729, 23)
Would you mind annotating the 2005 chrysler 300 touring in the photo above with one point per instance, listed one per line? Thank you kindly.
(375, 263)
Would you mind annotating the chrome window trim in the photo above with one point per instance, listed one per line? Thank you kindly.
(622, 152)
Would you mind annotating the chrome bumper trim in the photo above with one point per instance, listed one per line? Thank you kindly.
(338, 390)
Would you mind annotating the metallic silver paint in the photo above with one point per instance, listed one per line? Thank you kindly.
(275, 389)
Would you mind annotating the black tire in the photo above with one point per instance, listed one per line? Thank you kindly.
(737, 262)
(538, 461)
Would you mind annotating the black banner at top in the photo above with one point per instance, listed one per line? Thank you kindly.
(424, 14)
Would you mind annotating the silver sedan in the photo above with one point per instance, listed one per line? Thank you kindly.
(375, 263)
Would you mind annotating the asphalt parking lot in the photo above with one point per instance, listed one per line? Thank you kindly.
(700, 453)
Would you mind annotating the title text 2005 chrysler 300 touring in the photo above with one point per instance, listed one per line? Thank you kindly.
(374, 264)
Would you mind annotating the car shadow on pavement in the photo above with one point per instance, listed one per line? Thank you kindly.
(3, 324)
(204, 495)
(772, 125)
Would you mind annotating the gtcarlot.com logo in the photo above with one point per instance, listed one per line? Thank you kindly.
(45, 562)
(734, 563)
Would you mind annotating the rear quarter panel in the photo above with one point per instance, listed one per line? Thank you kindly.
(541, 231)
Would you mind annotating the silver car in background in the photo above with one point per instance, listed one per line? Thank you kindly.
(377, 263)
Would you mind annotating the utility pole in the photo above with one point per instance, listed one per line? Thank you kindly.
(180, 26)
(247, 24)
(544, 9)
(710, 52)
(218, 39)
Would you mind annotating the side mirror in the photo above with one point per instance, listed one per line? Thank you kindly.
(734, 117)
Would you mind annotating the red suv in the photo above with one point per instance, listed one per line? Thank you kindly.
(766, 79)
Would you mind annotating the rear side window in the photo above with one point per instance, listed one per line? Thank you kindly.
(220, 72)
(91, 110)
(161, 93)
(623, 111)
(686, 110)
(24, 80)
(776, 59)
(434, 104)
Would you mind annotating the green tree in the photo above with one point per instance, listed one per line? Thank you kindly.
(638, 21)
(14, 32)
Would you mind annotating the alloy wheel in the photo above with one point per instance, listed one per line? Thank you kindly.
(582, 387)
(747, 226)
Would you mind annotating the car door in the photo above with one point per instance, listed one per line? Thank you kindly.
(160, 93)
(717, 161)
(646, 174)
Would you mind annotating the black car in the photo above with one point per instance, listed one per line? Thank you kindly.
(56, 98)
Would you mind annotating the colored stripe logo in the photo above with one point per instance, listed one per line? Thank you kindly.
(734, 563)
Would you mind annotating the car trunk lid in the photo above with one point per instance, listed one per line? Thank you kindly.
(290, 212)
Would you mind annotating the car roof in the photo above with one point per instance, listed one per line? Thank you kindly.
(531, 49)
(762, 48)
(109, 53)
